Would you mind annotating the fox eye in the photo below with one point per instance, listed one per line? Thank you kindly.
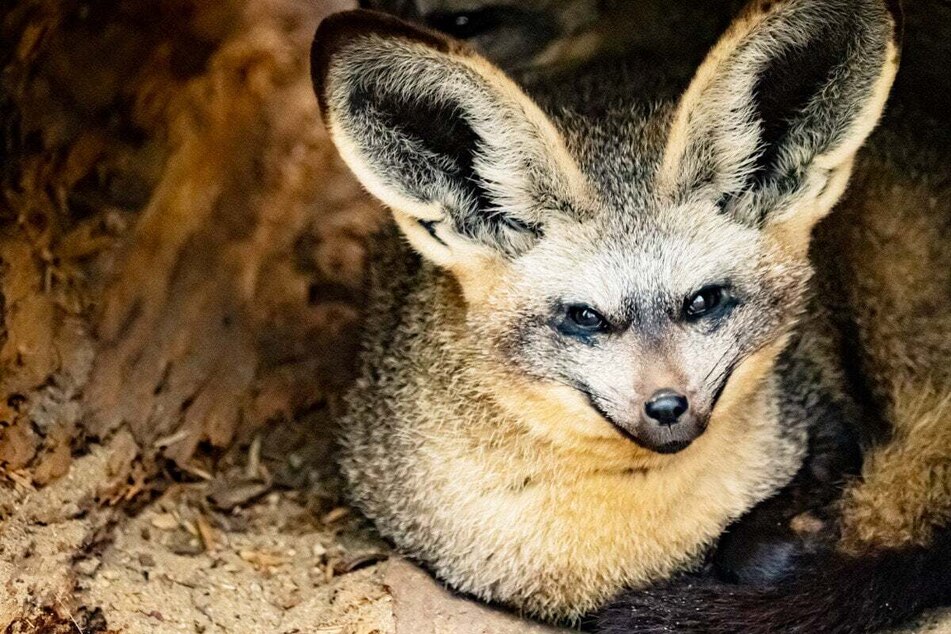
(705, 301)
(584, 319)
(465, 24)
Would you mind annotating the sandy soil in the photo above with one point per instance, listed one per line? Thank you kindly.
(263, 545)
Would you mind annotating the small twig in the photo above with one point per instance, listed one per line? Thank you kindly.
(171, 440)
(253, 469)
(72, 618)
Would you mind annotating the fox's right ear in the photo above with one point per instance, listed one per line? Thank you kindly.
(772, 121)
(470, 166)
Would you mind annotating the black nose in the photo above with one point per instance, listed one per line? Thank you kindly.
(666, 407)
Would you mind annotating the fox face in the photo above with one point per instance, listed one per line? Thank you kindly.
(630, 277)
(643, 323)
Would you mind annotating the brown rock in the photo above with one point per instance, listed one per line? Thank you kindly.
(423, 606)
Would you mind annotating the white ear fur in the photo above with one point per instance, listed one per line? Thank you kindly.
(455, 211)
(717, 138)
(407, 211)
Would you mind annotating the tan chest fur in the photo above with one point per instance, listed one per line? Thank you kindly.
(559, 523)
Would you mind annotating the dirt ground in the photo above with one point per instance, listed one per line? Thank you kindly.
(181, 268)
(262, 547)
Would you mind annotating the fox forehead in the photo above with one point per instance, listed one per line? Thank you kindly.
(636, 240)
(655, 252)
(620, 149)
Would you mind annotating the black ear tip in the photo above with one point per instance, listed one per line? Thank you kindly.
(331, 37)
(338, 30)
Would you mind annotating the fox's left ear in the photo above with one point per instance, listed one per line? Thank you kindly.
(472, 169)
(771, 123)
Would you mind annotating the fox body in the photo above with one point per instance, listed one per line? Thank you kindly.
(595, 338)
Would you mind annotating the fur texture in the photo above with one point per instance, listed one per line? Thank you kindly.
(485, 415)
(838, 593)
(895, 227)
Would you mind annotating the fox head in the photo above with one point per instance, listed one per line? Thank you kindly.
(636, 271)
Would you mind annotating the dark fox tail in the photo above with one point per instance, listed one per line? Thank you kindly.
(833, 595)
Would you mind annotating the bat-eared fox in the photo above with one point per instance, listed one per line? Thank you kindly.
(607, 325)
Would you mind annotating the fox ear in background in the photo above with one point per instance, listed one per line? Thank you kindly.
(771, 123)
(470, 166)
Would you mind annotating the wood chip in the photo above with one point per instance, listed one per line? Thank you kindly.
(167, 441)
(196, 471)
(253, 469)
(227, 494)
(21, 478)
(336, 515)
(209, 536)
(262, 559)
(165, 522)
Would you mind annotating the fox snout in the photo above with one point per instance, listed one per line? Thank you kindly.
(667, 422)
(666, 407)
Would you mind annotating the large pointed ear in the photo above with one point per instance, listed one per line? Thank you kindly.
(770, 125)
(470, 166)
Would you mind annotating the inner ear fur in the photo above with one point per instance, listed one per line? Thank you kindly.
(774, 116)
(469, 165)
